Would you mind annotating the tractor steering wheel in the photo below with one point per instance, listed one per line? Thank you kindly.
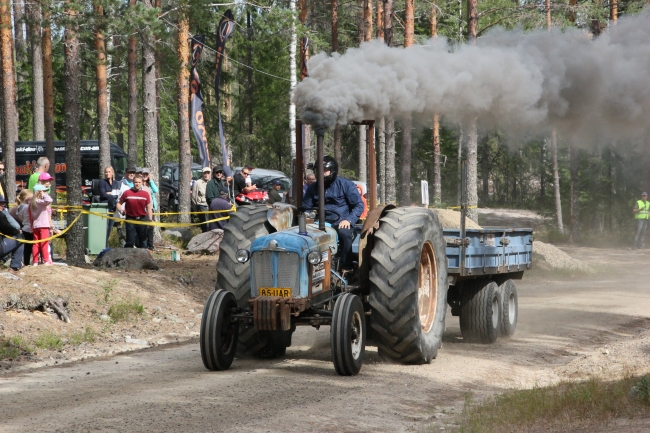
(331, 221)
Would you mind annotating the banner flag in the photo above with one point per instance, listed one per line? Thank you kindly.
(226, 26)
(197, 120)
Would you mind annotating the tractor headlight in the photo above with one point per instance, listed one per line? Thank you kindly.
(313, 257)
(242, 256)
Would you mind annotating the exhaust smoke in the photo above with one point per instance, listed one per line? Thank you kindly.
(589, 89)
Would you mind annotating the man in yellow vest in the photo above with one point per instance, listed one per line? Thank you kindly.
(641, 210)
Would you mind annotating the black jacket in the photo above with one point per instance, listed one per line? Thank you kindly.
(6, 228)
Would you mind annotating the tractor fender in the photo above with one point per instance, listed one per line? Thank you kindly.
(365, 242)
(280, 216)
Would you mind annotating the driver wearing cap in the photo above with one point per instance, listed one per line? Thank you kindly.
(341, 196)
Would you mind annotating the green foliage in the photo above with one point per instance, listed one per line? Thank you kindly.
(107, 289)
(643, 389)
(48, 340)
(87, 336)
(12, 348)
(124, 310)
(564, 405)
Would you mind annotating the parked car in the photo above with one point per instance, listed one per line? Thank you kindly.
(169, 176)
(263, 178)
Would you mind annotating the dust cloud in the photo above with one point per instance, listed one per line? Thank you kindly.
(589, 89)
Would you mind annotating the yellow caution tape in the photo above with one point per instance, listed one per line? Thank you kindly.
(458, 207)
(61, 233)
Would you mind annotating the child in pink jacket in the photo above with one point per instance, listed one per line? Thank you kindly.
(39, 214)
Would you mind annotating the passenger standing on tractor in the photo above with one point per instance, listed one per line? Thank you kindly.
(342, 197)
(199, 199)
(641, 210)
(274, 194)
(241, 185)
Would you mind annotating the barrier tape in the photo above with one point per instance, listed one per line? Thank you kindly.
(106, 216)
(458, 207)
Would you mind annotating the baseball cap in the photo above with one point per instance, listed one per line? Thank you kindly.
(224, 191)
(276, 182)
(206, 170)
(2, 199)
(138, 169)
(217, 170)
(45, 176)
(39, 187)
(145, 170)
(644, 193)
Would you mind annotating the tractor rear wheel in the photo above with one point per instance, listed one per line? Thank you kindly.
(245, 225)
(348, 336)
(408, 285)
(218, 332)
(480, 311)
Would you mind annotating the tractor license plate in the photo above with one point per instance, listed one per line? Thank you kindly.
(276, 291)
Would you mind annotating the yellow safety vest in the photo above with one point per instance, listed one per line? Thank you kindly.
(643, 210)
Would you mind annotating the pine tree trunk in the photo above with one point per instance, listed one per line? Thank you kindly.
(158, 55)
(33, 13)
(9, 115)
(362, 153)
(149, 123)
(437, 181)
(381, 138)
(335, 25)
(337, 145)
(556, 183)
(388, 22)
(575, 193)
(390, 160)
(472, 172)
(472, 21)
(459, 160)
(48, 92)
(367, 20)
(102, 101)
(542, 174)
(183, 97)
(293, 80)
(74, 238)
(405, 164)
(19, 35)
(133, 97)
(485, 171)
(379, 17)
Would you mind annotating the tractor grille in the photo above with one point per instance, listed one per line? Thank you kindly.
(285, 274)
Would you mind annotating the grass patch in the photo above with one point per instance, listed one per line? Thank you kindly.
(87, 336)
(12, 348)
(107, 288)
(48, 340)
(122, 311)
(564, 406)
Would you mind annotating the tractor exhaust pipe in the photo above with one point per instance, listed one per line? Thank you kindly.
(321, 179)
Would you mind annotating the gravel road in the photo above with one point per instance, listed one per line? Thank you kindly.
(567, 329)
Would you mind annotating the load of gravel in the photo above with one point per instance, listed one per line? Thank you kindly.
(450, 219)
(552, 257)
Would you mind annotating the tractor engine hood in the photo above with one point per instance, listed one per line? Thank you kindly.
(280, 260)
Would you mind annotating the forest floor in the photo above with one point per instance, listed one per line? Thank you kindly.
(571, 327)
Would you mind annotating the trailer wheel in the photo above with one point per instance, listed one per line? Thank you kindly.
(348, 336)
(244, 226)
(509, 308)
(408, 285)
(219, 333)
(480, 312)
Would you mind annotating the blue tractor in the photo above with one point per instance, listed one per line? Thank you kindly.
(279, 269)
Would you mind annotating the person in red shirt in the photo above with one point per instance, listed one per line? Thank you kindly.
(136, 205)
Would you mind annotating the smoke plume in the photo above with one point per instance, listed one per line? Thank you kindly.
(521, 82)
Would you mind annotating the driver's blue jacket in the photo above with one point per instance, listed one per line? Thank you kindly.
(341, 196)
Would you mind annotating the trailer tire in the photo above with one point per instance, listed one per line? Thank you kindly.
(480, 311)
(245, 225)
(348, 335)
(219, 334)
(408, 285)
(509, 308)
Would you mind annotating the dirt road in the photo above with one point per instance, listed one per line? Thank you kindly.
(568, 328)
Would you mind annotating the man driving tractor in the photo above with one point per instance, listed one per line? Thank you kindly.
(341, 197)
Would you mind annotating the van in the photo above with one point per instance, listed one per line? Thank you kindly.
(28, 152)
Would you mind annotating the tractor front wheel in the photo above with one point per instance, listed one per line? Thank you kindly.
(348, 337)
(219, 333)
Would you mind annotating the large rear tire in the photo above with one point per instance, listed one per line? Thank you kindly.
(348, 336)
(408, 285)
(509, 308)
(219, 333)
(480, 312)
(244, 226)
